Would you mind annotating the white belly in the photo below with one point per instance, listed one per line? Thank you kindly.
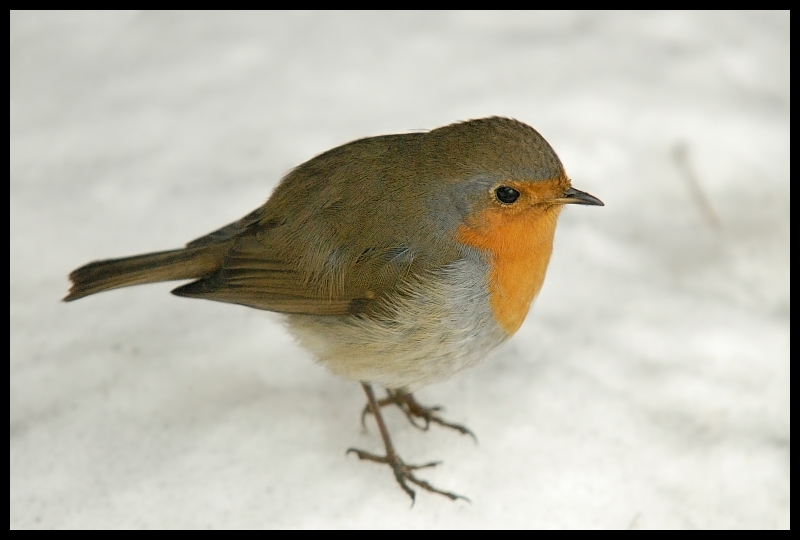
(435, 329)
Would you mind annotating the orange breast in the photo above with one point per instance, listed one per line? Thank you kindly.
(519, 244)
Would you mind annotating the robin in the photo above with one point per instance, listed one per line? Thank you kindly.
(398, 260)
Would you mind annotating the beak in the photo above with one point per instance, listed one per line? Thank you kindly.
(576, 196)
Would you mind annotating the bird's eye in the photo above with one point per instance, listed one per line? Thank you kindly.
(506, 195)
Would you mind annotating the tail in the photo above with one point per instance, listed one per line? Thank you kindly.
(190, 263)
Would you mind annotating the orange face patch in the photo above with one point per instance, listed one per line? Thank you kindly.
(519, 240)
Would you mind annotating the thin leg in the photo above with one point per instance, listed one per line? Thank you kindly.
(402, 472)
(413, 411)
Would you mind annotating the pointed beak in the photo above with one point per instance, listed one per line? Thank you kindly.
(576, 196)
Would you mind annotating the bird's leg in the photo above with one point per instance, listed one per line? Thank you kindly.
(413, 410)
(402, 472)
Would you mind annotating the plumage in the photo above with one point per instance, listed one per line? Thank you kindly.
(398, 260)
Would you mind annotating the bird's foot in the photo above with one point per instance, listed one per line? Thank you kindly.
(404, 473)
(420, 416)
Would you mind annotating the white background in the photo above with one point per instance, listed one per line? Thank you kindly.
(648, 387)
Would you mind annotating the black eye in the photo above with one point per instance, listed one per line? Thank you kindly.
(506, 194)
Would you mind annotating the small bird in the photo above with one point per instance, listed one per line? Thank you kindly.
(398, 260)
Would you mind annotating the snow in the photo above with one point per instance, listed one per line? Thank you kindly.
(648, 388)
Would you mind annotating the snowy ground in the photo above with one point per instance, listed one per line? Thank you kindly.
(649, 386)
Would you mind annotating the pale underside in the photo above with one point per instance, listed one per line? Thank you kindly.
(438, 325)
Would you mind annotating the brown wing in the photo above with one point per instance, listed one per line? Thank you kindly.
(259, 270)
(335, 237)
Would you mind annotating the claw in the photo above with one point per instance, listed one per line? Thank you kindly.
(403, 472)
(415, 412)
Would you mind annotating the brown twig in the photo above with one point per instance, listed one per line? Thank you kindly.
(680, 153)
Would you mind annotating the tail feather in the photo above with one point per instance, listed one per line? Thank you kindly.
(98, 276)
